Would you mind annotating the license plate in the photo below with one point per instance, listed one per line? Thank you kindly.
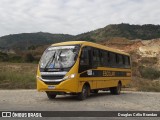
(51, 87)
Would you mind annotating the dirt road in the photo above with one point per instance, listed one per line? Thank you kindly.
(38, 101)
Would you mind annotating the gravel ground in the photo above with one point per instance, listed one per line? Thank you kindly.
(33, 100)
(26, 100)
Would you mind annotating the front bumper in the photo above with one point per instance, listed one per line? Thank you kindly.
(66, 86)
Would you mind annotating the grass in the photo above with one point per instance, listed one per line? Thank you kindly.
(141, 84)
(17, 75)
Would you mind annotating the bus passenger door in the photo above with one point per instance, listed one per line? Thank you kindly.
(85, 67)
(85, 59)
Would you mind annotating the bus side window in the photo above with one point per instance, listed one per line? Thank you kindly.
(96, 58)
(84, 59)
(123, 57)
(108, 57)
(120, 59)
(117, 59)
(102, 58)
(127, 61)
(112, 58)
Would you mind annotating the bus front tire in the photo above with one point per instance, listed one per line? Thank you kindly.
(116, 90)
(51, 95)
(85, 93)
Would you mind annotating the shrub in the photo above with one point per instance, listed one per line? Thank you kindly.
(149, 60)
(3, 57)
(149, 73)
(141, 84)
(28, 57)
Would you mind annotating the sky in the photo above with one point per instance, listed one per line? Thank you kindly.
(73, 16)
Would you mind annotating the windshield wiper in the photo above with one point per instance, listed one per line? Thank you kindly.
(50, 60)
(60, 64)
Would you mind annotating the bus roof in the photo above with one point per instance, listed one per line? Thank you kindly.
(90, 44)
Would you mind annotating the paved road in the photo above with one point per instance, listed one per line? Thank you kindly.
(26, 100)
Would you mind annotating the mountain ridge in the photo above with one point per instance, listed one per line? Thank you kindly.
(24, 41)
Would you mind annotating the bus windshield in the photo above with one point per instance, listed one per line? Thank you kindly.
(59, 57)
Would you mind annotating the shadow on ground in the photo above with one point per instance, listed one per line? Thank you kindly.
(92, 96)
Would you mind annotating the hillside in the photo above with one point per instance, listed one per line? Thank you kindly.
(144, 32)
(26, 41)
(143, 53)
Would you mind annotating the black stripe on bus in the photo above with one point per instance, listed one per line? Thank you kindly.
(105, 73)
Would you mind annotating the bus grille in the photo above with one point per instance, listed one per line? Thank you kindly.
(52, 83)
(52, 78)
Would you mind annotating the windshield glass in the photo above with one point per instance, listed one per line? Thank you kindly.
(59, 57)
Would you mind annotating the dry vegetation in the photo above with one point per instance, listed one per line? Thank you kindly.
(22, 76)
(17, 75)
(141, 84)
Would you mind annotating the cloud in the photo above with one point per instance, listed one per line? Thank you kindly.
(73, 16)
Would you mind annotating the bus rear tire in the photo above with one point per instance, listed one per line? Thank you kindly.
(116, 90)
(85, 93)
(51, 95)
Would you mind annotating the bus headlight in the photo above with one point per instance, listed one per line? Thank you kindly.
(72, 75)
(69, 76)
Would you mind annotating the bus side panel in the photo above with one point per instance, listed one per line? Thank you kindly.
(102, 82)
(96, 83)
(83, 80)
(106, 83)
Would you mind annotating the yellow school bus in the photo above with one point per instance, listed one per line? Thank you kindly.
(81, 68)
